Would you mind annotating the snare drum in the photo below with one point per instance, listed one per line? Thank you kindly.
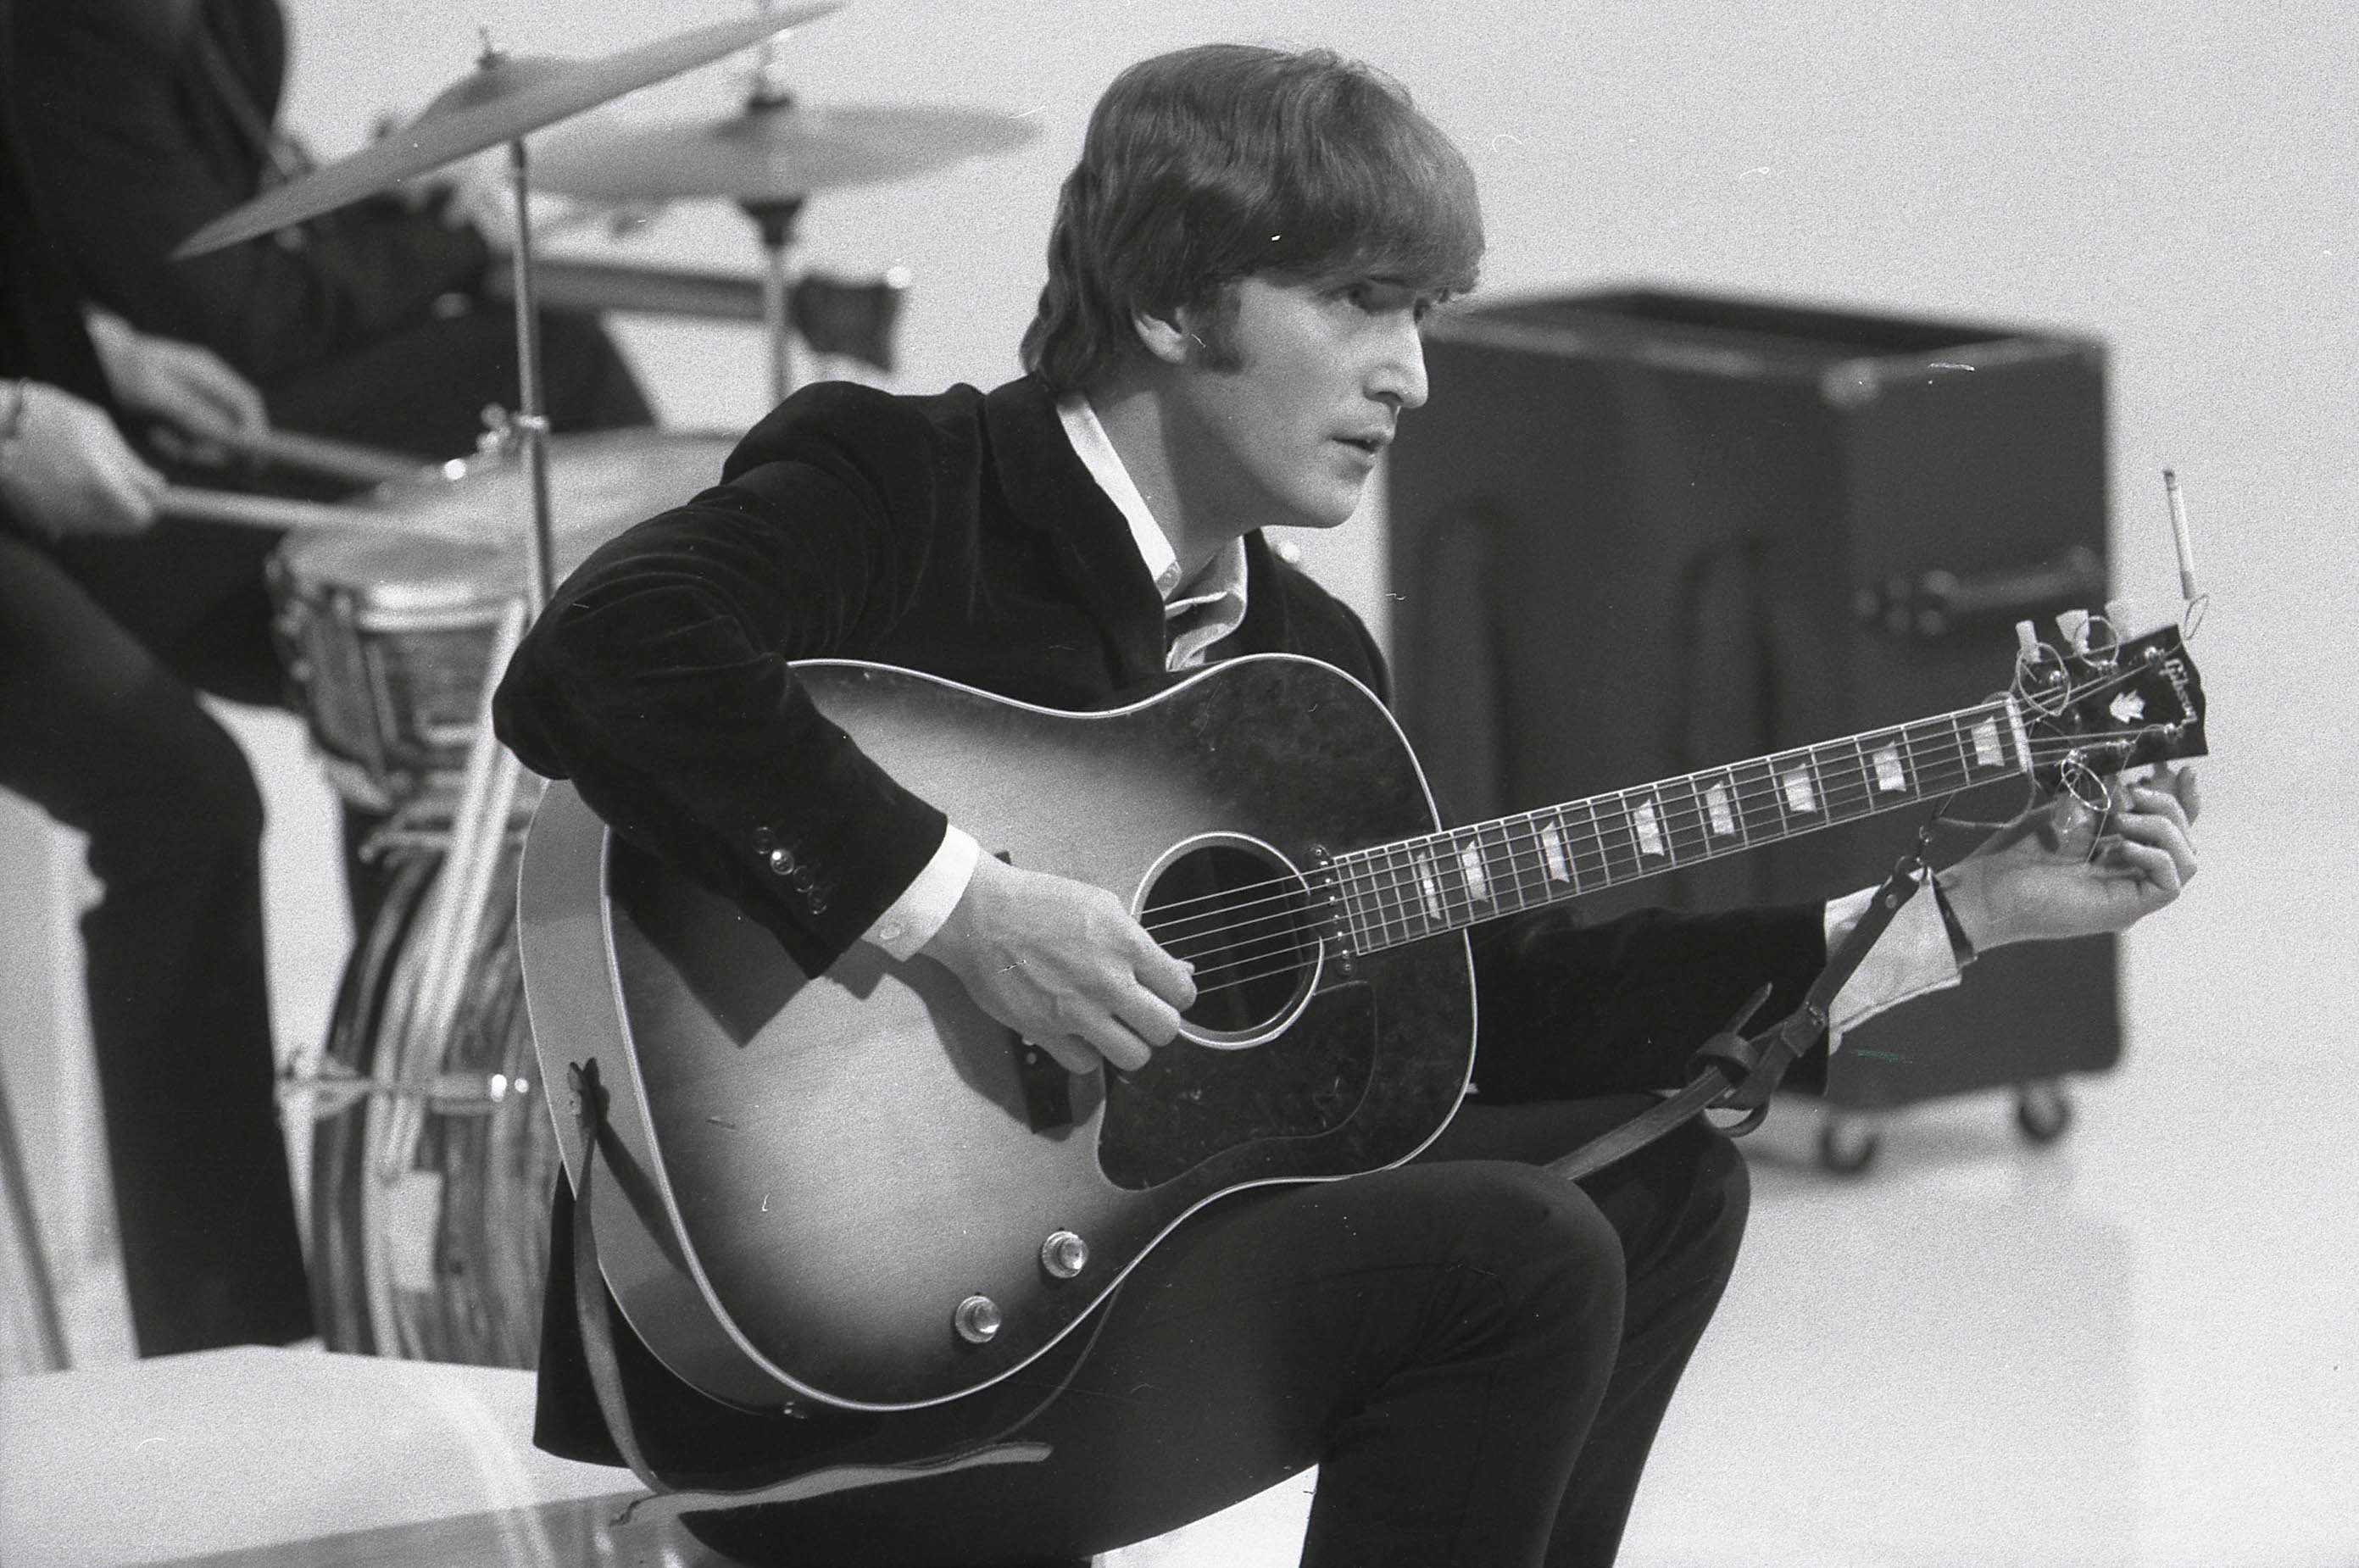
(387, 634)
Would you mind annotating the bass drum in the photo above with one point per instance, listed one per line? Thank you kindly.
(430, 1215)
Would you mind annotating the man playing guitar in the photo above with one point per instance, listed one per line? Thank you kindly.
(1477, 1354)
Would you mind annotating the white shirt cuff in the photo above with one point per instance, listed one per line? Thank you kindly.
(927, 902)
(1911, 958)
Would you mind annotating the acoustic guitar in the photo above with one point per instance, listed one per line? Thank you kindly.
(857, 1188)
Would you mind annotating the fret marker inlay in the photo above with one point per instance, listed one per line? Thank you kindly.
(1798, 793)
(1650, 830)
(1889, 775)
(1431, 889)
(1559, 869)
(1716, 806)
(1470, 861)
(1986, 748)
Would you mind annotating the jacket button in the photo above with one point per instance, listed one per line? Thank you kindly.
(782, 862)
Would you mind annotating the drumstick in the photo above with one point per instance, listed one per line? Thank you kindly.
(322, 455)
(271, 512)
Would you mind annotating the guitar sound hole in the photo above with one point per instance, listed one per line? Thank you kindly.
(1238, 912)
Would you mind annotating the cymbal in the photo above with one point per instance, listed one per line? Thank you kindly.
(507, 97)
(774, 152)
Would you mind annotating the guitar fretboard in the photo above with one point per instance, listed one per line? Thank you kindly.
(1403, 892)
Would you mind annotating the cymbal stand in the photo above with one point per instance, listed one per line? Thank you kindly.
(776, 220)
(532, 422)
(487, 801)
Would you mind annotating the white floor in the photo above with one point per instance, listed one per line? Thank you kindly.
(2137, 1349)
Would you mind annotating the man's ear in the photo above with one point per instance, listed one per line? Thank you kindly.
(1165, 338)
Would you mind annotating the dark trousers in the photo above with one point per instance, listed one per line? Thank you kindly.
(1475, 1354)
(103, 644)
(423, 389)
(98, 729)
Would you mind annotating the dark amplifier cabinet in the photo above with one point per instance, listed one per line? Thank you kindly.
(1637, 533)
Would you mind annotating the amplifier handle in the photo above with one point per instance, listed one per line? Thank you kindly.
(1935, 602)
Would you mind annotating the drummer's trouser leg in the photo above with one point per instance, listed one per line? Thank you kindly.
(422, 389)
(95, 730)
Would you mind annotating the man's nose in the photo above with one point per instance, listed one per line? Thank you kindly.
(1397, 376)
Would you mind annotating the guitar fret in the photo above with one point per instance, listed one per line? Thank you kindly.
(1758, 804)
(1401, 913)
(1690, 841)
(1357, 891)
(1510, 859)
(1372, 901)
(1842, 781)
(1460, 876)
(1617, 847)
(1957, 773)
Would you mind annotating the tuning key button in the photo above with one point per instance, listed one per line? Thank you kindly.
(1064, 1255)
(977, 1319)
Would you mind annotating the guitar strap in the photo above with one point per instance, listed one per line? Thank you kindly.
(1731, 1071)
(590, 1307)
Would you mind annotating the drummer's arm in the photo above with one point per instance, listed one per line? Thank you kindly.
(658, 683)
(123, 180)
(182, 383)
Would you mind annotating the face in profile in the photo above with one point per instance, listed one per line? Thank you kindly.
(1285, 405)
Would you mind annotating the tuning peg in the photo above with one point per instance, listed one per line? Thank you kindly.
(2072, 625)
(2027, 639)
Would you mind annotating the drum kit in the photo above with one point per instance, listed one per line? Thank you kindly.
(432, 1158)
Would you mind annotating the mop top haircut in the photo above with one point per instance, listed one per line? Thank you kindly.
(1207, 166)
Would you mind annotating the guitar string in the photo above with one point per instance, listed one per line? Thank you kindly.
(1513, 860)
(1288, 960)
(1995, 708)
(1743, 799)
(1285, 920)
(1675, 817)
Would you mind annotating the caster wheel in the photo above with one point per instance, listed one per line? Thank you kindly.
(1847, 1145)
(2042, 1110)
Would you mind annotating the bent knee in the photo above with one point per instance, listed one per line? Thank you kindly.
(1540, 1237)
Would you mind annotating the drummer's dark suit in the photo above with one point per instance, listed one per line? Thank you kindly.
(99, 727)
(1360, 1324)
(145, 119)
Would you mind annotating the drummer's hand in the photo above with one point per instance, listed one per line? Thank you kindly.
(68, 470)
(1063, 965)
(179, 382)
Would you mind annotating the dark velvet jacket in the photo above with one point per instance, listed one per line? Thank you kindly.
(144, 119)
(961, 535)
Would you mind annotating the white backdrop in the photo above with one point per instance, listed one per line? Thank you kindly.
(2172, 175)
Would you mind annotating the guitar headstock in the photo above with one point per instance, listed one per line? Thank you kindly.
(2111, 705)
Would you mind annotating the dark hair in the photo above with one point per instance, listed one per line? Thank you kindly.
(1206, 166)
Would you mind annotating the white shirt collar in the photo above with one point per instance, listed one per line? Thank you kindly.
(1223, 576)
